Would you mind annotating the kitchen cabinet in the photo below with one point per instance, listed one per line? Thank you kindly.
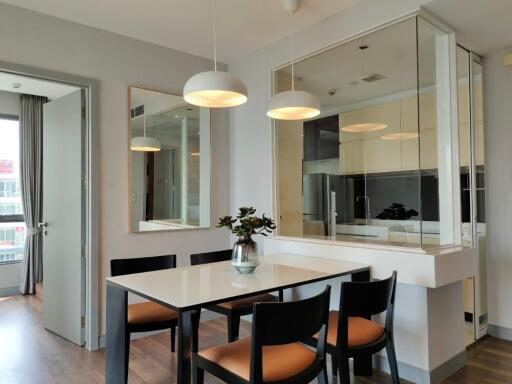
(366, 151)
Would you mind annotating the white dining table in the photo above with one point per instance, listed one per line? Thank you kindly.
(188, 289)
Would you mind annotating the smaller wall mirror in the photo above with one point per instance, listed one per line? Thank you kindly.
(169, 162)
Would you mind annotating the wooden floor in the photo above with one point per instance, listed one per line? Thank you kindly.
(31, 355)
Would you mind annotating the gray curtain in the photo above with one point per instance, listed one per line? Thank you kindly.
(31, 170)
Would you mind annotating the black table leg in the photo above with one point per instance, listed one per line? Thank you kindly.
(362, 366)
(185, 329)
(115, 370)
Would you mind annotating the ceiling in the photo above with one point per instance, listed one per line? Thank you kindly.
(33, 86)
(481, 25)
(243, 26)
(334, 76)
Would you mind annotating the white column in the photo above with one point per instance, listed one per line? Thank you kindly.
(204, 167)
(447, 163)
(184, 170)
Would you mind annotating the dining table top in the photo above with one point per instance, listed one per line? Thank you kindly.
(191, 287)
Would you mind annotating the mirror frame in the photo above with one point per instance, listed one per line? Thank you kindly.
(209, 184)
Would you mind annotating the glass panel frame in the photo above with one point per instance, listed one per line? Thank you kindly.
(294, 144)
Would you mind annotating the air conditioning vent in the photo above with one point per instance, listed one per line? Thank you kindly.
(137, 111)
(373, 77)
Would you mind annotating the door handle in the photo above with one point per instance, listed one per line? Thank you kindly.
(42, 225)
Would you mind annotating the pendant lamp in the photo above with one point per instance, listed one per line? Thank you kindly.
(145, 143)
(293, 105)
(215, 89)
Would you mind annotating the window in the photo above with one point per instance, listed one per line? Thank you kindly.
(12, 225)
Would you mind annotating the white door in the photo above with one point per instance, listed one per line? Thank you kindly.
(63, 208)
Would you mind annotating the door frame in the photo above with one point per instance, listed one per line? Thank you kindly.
(91, 182)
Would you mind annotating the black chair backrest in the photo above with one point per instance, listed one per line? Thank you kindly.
(280, 323)
(211, 257)
(141, 264)
(288, 322)
(364, 299)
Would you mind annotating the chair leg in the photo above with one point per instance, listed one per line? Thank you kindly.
(173, 339)
(334, 364)
(233, 327)
(322, 376)
(198, 376)
(344, 369)
(126, 353)
(280, 293)
(393, 366)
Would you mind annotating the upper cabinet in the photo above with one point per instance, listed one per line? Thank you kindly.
(360, 151)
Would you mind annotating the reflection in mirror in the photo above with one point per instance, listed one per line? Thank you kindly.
(169, 162)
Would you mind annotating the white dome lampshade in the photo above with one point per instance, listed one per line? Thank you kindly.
(145, 144)
(293, 105)
(215, 89)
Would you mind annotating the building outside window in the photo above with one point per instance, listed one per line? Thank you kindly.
(12, 226)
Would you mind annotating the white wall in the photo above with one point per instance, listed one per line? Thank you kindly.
(9, 103)
(498, 129)
(10, 274)
(250, 128)
(42, 41)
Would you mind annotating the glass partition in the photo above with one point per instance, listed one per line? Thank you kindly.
(376, 166)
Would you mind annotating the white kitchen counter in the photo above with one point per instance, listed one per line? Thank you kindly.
(430, 267)
(429, 314)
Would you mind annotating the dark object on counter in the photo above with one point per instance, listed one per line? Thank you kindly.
(397, 212)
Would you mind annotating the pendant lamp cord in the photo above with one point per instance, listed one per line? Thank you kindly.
(144, 125)
(215, 34)
(293, 59)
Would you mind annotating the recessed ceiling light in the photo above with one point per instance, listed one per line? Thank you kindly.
(400, 136)
(364, 127)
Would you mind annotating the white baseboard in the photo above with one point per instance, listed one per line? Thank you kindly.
(9, 291)
(500, 332)
(421, 376)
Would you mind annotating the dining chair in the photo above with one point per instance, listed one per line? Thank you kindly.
(351, 333)
(236, 308)
(272, 353)
(146, 316)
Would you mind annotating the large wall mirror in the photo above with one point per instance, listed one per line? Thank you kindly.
(169, 162)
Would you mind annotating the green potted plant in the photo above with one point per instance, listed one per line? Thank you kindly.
(245, 225)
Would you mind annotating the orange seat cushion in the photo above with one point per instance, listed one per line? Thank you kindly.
(248, 301)
(279, 361)
(149, 312)
(360, 330)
